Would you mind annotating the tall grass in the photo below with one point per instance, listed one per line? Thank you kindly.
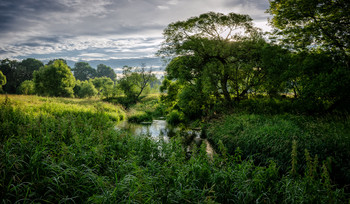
(269, 137)
(53, 153)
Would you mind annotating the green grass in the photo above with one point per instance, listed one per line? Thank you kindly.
(147, 109)
(269, 137)
(57, 150)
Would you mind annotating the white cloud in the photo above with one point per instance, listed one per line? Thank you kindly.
(163, 7)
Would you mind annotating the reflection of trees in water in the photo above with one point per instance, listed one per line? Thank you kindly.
(160, 129)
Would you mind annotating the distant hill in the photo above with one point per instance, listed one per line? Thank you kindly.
(119, 63)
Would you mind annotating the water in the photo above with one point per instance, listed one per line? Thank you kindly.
(161, 129)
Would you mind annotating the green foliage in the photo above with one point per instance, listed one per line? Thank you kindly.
(67, 150)
(265, 137)
(2, 80)
(135, 81)
(53, 60)
(294, 158)
(27, 87)
(139, 116)
(54, 80)
(10, 68)
(208, 52)
(27, 68)
(214, 64)
(175, 117)
(85, 89)
(83, 71)
(104, 86)
(316, 22)
(18, 72)
(105, 71)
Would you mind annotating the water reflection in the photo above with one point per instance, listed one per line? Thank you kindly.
(161, 129)
(156, 129)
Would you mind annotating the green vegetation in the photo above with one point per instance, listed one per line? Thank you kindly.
(269, 137)
(276, 112)
(2, 80)
(212, 65)
(27, 87)
(147, 109)
(54, 80)
(66, 150)
(135, 81)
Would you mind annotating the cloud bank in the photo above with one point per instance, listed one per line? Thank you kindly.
(88, 30)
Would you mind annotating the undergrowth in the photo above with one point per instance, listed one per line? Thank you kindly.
(53, 154)
(266, 137)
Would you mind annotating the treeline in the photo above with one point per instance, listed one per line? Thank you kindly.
(217, 60)
(56, 78)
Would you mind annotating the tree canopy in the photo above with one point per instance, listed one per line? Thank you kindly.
(322, 23)
(83, 71)
(104, 86)
(54, 80)
(27, 67)
(105, 71)
(134, 81)
(320, 33)
(214, 56)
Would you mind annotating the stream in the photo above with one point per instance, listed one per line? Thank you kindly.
(161, 129)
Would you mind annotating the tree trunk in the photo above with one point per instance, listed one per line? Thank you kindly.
(224, 89)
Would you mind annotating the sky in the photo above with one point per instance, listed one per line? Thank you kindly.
(111, 32)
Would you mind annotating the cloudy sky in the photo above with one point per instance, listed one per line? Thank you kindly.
(102, 31)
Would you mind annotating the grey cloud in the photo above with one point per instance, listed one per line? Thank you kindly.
(69, 28)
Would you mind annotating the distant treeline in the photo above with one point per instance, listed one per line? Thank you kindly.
(56, 78)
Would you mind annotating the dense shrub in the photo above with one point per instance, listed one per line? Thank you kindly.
(140, 116)
(175, 117)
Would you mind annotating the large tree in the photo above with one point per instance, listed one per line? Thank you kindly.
(105, 71)
(214, 53)
(27, 67)
(54, 80)
(314, 23)
(18, 72)
(319, 30)
(10, 69)
(83, 71)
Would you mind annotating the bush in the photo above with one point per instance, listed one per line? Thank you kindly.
(140, 116)
(86, 89)
(27, 87)
(175, 117)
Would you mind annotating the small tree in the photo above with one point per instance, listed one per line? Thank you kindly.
(87, 89)
(135, 80)
(54, 80)
(104, 86)
(27, 87)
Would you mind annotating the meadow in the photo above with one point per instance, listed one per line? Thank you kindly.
(58, 150)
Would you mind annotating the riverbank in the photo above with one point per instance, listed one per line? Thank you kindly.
(62, 152)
